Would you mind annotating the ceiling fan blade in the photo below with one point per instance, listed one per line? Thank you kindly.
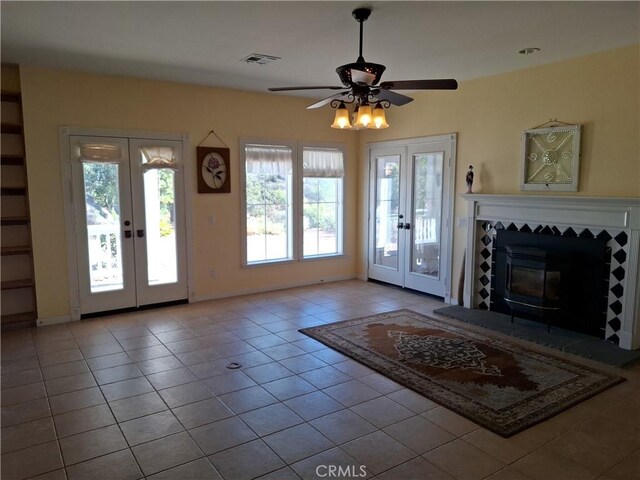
(439, 84)
(394, 98)
(285, 89)
(327, 100)
(358, 76)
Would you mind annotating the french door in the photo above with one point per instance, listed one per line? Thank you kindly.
(128, 209)
(410, 207)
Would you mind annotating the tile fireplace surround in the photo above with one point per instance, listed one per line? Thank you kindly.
(617, 220)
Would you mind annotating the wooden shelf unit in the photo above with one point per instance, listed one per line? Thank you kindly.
(18, 293)
(12, 159)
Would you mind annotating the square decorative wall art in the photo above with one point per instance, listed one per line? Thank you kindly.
(551, 159)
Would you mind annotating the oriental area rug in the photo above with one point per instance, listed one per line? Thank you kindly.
(495, 383)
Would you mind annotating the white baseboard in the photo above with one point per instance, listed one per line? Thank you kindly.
(271, 288)
(43, 322)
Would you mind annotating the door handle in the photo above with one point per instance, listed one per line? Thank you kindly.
(127, 234)
(140, 233)
(407, 226)
(400, 225)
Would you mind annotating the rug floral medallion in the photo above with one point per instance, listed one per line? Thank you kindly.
(497, 384)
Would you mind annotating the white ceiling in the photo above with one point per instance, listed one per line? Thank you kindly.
(204, 42)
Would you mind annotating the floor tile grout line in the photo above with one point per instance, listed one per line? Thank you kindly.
(55, 428)
(298, 374)
(119, 429)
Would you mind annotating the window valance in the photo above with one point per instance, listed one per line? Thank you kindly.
(271, 160)
(323, 163)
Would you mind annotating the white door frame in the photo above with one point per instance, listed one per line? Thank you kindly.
(450, 164)
(64, 132)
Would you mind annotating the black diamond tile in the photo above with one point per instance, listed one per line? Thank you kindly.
(484, 266)
(620, 256)
(483, 306)
(604, 235)
(546, 231)
(615, 324)
(569, 232)
(616, 307)
(621, 238)
(618, 273)
(538, 229)
(618, 290)
(526, 228)
(499, 226)
(484, 280)
(586, 233)
(486, 239)
(512, 227)
(556, 230)
(483, 293)
(614, 339)
(485, 253)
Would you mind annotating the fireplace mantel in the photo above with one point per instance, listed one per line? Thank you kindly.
(618, 218)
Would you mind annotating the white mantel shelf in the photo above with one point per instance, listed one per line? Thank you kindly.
(597, 212)
(614, 214)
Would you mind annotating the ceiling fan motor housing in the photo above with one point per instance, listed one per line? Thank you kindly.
(375, 69)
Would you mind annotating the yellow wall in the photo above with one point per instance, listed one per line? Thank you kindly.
(52, 98)
(601, 92)
(10, 78)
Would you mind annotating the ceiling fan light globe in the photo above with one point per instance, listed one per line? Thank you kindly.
(341, 119)
(365, 116)
(379, 119)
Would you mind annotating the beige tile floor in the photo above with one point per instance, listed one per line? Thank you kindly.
(148, 395)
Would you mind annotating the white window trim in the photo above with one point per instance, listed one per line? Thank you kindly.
(297, 232)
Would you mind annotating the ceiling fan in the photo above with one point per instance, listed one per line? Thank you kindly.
(362, 88)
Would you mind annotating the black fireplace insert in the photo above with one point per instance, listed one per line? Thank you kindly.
(536, 282)
(561, 281)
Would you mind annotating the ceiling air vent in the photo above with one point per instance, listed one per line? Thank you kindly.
(260, 58)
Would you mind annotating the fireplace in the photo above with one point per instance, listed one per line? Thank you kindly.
(557, 280)
(613, 221)
(536, 282)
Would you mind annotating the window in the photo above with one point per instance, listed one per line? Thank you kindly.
(268, 194)
(322, 201)
(271, 186)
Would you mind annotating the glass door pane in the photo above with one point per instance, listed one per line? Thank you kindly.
(160, 228)
(387, 198)
(427, 213)
(104, 240)
(158, 220)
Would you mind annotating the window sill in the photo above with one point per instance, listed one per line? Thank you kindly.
(293, 261)
(267, 263)
(332, 256)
